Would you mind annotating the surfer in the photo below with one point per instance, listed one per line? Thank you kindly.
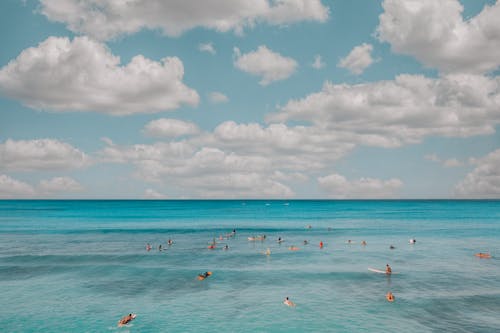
(126, 319)
(204, 275)
(388, 269)
(389, 297)
(288, 302)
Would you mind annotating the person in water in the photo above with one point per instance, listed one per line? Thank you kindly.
(388, 269)
(390, 297)
(392, 247)
(288, 302)
(126, 319)
(321, 244)
(170, 242)
(363, 243)
(204, 275)
(148, 247)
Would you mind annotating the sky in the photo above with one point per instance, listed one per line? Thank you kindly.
(274, 99)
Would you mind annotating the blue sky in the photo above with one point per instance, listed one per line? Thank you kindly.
(260, 99)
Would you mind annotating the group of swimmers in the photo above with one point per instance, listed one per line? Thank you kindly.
(388, 270)
(170, 242)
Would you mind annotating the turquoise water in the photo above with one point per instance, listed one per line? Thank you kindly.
(78, 266)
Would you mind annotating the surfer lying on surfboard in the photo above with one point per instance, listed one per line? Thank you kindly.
(204, 275)
(126, 319)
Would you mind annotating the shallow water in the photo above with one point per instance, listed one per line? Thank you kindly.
(78, 266)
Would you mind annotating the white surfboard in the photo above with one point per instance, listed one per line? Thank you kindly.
(379, 271)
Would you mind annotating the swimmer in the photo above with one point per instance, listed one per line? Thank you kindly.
(413, 241)
(287, 302)
(148, 247)
(321, 244)
(211, 247)
(280, 240)
(392, 247)
(226, 247)
(363, 243)
(389, 297)
(293, 248)
(349, 241)
(268, 252)
(306, 242)
(126, 319)
(204, 275)
(309, 226)
(483, 255)
(170, 242)
(388, 269)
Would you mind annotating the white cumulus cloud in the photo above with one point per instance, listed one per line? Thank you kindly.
(401, 111)
(166, 127)
(435, 33)
(484, 180)
(263, 62)
(448, 163)
(318, 62)
(217, 97)
(105, 19)
(358, 59)
(207, 47)
(82, 75)
(152, 194)
(364, 188)
(13, 188)
(41, 154)
(59, 184)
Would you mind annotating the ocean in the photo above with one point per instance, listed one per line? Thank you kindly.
(79, 266)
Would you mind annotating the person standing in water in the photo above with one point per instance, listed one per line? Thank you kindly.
(388, 269)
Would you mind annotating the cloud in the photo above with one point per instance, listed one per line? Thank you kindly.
(12, 188)
(448, 163)
(165, 127)
(263, 62)
(401, 111)
(41, 154)
(152, 194)
(358, 59)
(59, 184)
(435, 33)
(364, 188)
(82, 75)
(207, 47)
(108, 19)
(483, 181)
(318, 62)
(205, 172)
(217, 97)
